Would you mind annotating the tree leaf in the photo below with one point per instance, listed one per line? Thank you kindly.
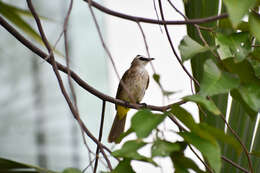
(124, 166)
(13, 166)
(151, 122)
(222, 136)
(12, 16)
(238, 9)
(188, 48)
(129, 151)
(164, 148)
(19, 11)
(254, 24)
(71, 170)
(251, 95)
(210, 151)
(186, 118)
(207, 104)
(237, 96)
(215, 81)
(243, 69)
(236, 45)
(182, 164)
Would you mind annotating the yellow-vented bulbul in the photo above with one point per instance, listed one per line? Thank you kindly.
(136, 80)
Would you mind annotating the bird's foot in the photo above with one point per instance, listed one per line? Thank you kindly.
(144, 105)
(127, 104)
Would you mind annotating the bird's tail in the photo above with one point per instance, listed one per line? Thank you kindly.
(117, 128)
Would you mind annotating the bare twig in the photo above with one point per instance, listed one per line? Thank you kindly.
(75, 77)
(146, 45)
(55, 69)
(234, 164)
(172, 47)
(108, 52)
(154, 21)
(100, 134)
(240, 142)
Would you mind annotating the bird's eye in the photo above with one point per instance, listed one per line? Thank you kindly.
(143, 59)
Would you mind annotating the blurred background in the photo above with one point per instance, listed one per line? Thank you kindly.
(36, 125)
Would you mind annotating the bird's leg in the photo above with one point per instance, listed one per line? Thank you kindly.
(127, 104)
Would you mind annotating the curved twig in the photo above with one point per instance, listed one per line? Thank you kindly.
(154, 21)
(63, 90)
(74, 75)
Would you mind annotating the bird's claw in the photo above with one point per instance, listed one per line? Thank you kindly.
(144, 105)
(127, 104)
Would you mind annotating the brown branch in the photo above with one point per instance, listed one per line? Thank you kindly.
(173, 49)
(100, 134)
(65, 94)
(181, 128)
(154, 21)
(241, 143)
(234, 164)
(75, 77)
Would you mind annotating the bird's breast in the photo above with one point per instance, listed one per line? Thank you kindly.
(136, 81)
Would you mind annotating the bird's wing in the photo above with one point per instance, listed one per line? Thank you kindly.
(147, 83)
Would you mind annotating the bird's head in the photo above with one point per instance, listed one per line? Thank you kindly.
(140, 60)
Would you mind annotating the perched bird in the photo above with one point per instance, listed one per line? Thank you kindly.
(136, 81)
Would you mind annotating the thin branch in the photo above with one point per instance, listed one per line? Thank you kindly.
(55, 69)
(100, 134)
(74, 75)
(146, 45)
(172, 47)
(154, 21)
(219, 59)
(234, 164)
(181, 128)
(241, 143)
(108, 52)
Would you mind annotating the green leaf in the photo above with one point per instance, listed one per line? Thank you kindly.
(188, 48)
(215, 81)
(19, 11)
(237, 96)
(71, 170)
(12, 166)
(243, 26)
(12, 16)
(124, 166)
(251, 95)
(156, 77)
(129, 151)
(186, 118)
(234, 45)
(243, 69)
(237, 9)
(222, 136)
(164, 148)
(210, 151)
(182, 164)
(151, 122)
(254, 24)
(122, 135)
(207, 104)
